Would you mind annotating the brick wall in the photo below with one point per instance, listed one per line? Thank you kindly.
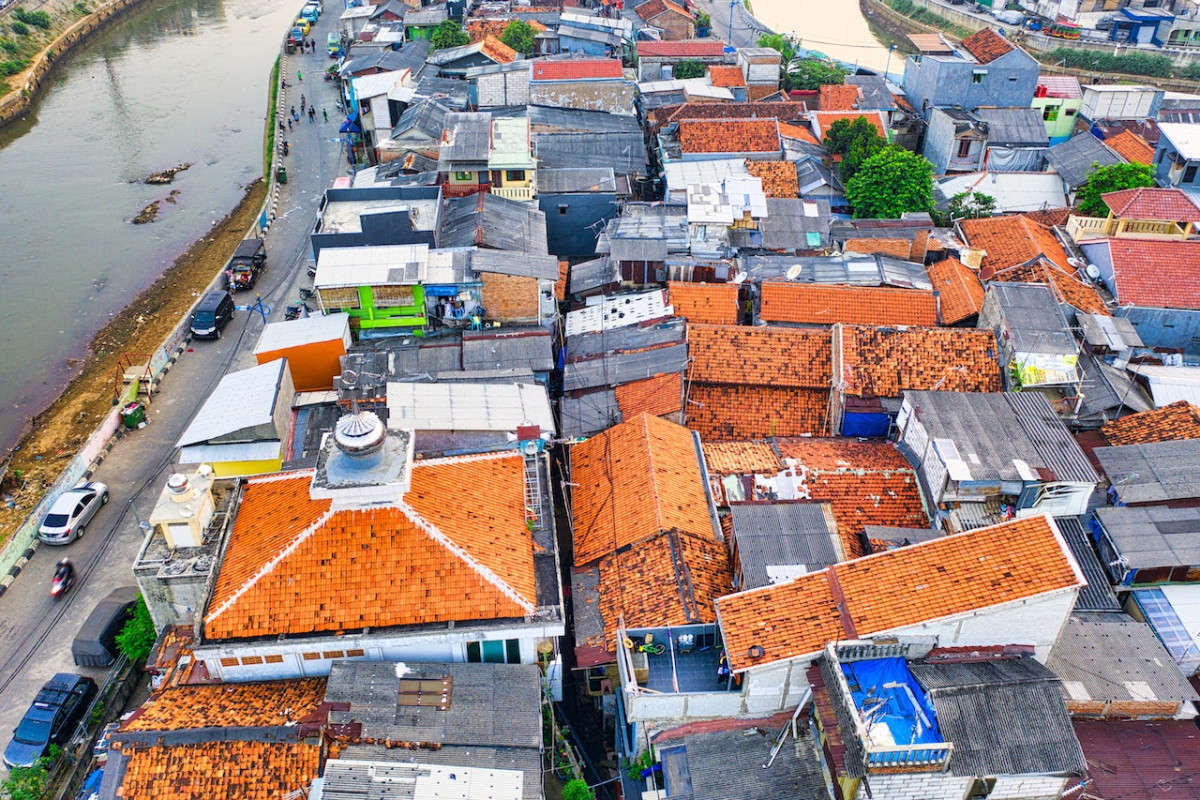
(510, 298)
(920, 786)
(674, 26)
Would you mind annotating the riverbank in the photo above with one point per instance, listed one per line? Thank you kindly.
(61, 429)
(28, 83)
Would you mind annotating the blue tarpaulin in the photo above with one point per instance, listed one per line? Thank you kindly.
(866, 425)
(884, 692)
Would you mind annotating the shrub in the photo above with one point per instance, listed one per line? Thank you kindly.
(8, 45)
(688, 68)
(38, 19)
(20, 28)
(137, 637)
(577, 790)
(8, 68)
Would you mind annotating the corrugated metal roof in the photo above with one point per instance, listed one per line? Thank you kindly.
(507, 262)
(1116, 659)
(299, 332)
(1153, 536)
(1049, 435)
(345, 779)
(586, 345)
(592, 275)
(244, 399)
(570, 181)
(1073, 159)
(487, 220)
(778, 541)
(1035, 321)
(586, 414)
(852, 270)
(1098, 594)
(467, 406)
(1004, 717)
(465, 139)
(622, 151)
(1138, 760)
(239, 451)
(402, 264)
(1014, 127)
(1153, 473)
(617, 368)
(507, 349)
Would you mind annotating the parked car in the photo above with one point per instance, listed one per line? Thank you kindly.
(247, 261)
(212, 313)
(71, 512)
(303, 25)
(310, 13)
(51, 719)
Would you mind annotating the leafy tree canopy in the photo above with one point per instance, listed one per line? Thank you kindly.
(812, 73)
(1111, 178)
(449, 34)
(577, 790)
(972, 205)
(688, 68)
(855, 141)
(779, 43)
(518, 35)
(889, 183)
(137, 637)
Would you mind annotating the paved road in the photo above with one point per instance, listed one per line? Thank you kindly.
(36, 632)
(746, 29)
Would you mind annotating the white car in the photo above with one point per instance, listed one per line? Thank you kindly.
(74, 509)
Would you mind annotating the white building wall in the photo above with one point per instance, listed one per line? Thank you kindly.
(919, 786)
(1028, 787)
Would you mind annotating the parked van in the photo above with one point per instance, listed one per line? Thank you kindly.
(96, 643)
(310, 13)
(333, 45)
(212, 314)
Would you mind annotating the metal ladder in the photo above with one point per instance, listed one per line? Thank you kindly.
(533, 490)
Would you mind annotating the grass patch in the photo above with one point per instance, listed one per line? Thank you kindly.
(272, 122)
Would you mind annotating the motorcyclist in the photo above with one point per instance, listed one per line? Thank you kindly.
(64, 571)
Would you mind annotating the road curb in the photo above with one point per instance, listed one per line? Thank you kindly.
(16, 568)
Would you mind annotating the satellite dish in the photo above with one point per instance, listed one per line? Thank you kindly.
(794, 271)
(1074, 262)
(739, 278)
(1092, 271)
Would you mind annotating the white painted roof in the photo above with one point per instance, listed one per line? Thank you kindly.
(1013, 191)
(396, 264)
(1185, 136)
(745, 193)
(366, 86)
(241, 400)
(234, 451)
(681, 173)
(618, 311)
(468, 406)
(1170, 384)
(355, 12)
(299, 332)
(707, 205)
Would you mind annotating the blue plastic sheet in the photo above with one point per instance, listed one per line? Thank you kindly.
(884, 691)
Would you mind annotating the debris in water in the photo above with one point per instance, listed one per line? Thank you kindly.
(147, 214)
(166, 175)
(171, 197)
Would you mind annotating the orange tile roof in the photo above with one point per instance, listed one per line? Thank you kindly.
(560, 285)
(1013, 240)
(817, 304)
(986, 45)
(778, 177)
(783, 111)
(652, 9)
(883, 362)
(920, 583)
(480, 28)
(720, 413)
(738, 458)
(726, 75)
(866, 483)
(711, 303)
(261, 704)
(898, 248)
(760, 356)
(1179, 420)
(662, 394)
(1131, 147)
(642, 584)
(1067, 288)
(1154, 203)
(960, 294)
(729, 136)
(245, 770)
(1049, 216)
(839, 97)
(293, 565)
(825, 119)
(498, 51)
(632, 482)
(797, 132)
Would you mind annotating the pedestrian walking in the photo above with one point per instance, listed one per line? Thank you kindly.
(299, 77)
(293, 111)
(289, 124)
(325, 114)
(303, 102)
(312, 114)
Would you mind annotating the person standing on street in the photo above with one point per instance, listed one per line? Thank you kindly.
(299, 77)
(325, 114)
(312, 115)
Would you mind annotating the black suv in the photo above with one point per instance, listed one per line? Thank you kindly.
(51, 719)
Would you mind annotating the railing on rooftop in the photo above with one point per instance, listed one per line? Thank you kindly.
(867, 650)
(923, 757)
(1099, 227)
(514, 192)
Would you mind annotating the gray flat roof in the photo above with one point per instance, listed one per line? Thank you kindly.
(1153, 473)
(1153, 536)
(778, 541)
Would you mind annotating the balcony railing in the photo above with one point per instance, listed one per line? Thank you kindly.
(514, 192)
(1079, 228)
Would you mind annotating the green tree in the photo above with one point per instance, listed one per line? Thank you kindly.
(688, 68)
(779, 43)
(577, 790)
(889, 183)
(449, 34)
(30, 783)
(855, 141)
(811, 73)
(972, 205)
(518, 35)
(137, 637)
(1111, 178)
(703, 24)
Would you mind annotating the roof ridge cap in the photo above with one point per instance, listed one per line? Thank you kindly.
(273, 562)
(433, 532)
(645, 420)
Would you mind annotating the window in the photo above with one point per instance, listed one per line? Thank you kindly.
(1189, 174)
(964, 148)
(506, 651)
(274, 659)
(312, 656)
(493, 652)
(512, 649)
(427, 693)
(355, 653)
(229, 662)
(1068, 112)
(1050, 113)
(464, 176)
(514, 175)
(977, 77)
(562, 209)
(250, 661)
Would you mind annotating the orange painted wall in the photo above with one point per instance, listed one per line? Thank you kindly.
(313, 366)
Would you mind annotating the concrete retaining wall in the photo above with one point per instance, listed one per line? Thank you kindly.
(14, 104)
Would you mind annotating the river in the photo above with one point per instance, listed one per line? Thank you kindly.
(174, 82)
(834, 27)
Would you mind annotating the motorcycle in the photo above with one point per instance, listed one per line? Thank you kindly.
(62, 583)
(297, 311)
